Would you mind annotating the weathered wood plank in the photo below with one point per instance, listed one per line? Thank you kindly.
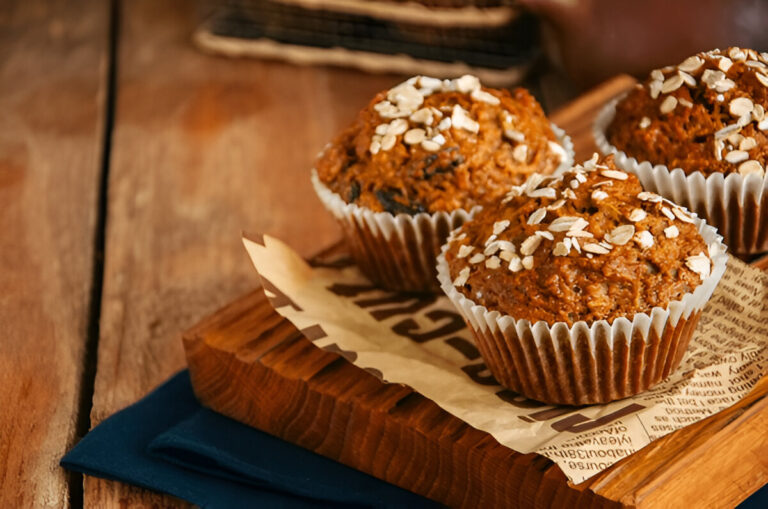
(53, 57)
(203, 148)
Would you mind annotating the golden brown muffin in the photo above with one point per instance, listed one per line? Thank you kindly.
(707, 114)
(430, 145)
(588, 245)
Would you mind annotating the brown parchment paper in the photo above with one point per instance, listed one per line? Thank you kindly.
(423, 342)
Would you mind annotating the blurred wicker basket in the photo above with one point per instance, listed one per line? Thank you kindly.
(497, 42)
(446, 13)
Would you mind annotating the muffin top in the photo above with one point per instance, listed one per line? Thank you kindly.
(430, 145)
(707, 114)
(587, 245)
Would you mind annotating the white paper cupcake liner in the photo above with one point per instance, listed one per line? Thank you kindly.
(395, 252)
(398, 252)
(587, 363)
(737, 205)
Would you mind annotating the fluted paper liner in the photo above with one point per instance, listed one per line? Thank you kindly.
(423, 342)
(586, 363)
(398, 252)
(737, 205)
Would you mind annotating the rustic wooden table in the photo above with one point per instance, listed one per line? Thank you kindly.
(129, 165)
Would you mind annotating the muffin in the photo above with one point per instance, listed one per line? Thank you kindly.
(582, 288)
(419, 159)
(697, 133)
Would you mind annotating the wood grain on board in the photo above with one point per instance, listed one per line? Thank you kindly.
(203, 148)
(53, 58)
(251, 364)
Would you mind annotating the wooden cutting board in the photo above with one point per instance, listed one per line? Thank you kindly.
(249, 363)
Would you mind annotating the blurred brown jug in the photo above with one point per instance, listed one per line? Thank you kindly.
(595, 39)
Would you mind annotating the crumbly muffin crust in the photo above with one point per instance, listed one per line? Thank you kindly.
(707, 114)
(431, 145)
(588, 245)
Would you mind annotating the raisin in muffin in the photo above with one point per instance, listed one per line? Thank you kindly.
(419, 158)
(582, 278)
(705, 121)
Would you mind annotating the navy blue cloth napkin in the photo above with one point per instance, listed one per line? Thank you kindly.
(168, 442)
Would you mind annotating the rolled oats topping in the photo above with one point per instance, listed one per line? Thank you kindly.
(751, 166)
(701, 264)
(724, 98)
(529, 245)
(645, 239)
(406, 99)
(596, 248)
(592, 257)
(464, 251)
(500, 226)
(537, 216)
(671, 232)
(461, 279)
(621, 234)
(429, 145)
(637, 215)
(668, 105)
(494, 262)
(618, 175)
(477, 258)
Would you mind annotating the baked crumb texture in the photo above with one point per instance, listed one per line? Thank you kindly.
(706, 114)
(430, 145)
(587, 245)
